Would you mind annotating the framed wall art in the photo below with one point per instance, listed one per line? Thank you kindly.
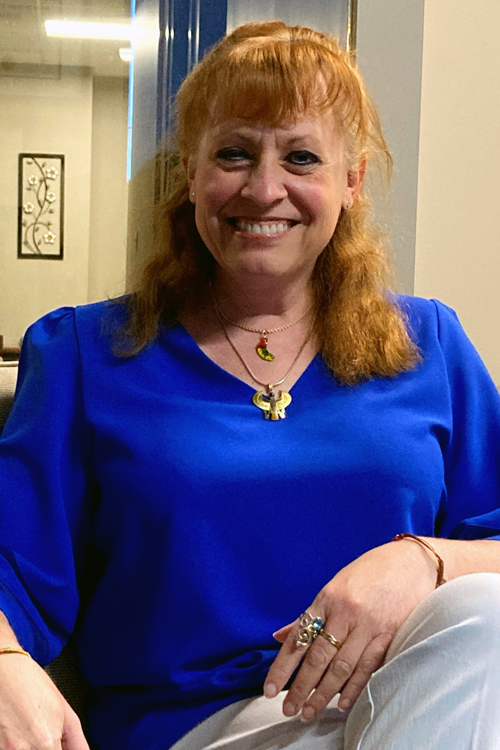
(41, 206)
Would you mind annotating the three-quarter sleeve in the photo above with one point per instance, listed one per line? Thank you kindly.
(45, 486)
(472, 452)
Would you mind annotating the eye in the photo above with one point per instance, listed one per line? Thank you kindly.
(302, 158)
(232, 155)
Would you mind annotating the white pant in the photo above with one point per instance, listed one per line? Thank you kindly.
(439, 689)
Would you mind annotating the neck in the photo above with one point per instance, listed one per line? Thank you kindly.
(257, 299)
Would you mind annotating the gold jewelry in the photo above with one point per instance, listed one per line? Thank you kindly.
(331, 638)
(261, 347)
(272, 406)
(12, 650)
(440, 564)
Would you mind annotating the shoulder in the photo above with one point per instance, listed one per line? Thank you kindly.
(76, 326)
(422, 311)
(437, 331)
(64, 344)
(428, 319)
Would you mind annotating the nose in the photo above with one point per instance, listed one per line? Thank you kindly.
(265, 183)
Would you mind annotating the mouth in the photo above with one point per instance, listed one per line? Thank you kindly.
(254, 226)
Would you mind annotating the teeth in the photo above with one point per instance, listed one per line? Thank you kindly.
(267, 228)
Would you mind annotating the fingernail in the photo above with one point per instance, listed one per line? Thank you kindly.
(289, 709)
(270, 690)
(275, 634)
(344, 705)
(308, 713)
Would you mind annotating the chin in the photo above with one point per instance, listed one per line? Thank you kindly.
(268, 271)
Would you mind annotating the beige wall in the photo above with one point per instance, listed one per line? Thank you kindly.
(108, 202)
(85, 119)
(458, 227)
(46, 116)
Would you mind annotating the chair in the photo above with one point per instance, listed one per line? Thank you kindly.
(8, 353)
(64, 670)
(8, 377)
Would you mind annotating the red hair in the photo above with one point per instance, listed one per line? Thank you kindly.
(270, 72)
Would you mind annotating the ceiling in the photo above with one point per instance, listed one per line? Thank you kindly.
(26, 50)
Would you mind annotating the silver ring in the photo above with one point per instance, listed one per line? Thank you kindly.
(310, 628)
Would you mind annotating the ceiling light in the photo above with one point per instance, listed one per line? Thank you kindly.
(125, 54)
(88, 30)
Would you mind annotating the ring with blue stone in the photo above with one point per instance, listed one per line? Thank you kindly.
(310, 628)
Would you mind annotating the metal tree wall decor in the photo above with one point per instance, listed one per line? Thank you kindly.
(41, 206)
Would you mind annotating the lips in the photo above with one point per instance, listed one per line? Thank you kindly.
(269, 226)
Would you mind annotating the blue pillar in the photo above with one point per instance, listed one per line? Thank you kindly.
(170, 36)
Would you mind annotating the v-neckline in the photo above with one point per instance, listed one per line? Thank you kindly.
(253, 389)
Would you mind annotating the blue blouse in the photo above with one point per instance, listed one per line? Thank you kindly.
(148, 498)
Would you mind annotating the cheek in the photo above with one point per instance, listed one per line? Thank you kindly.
(211, 200)
(217, 189)
(322, 196)
(324, 209)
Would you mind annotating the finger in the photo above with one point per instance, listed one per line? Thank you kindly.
(337, 675)
(371, 659)
(285, 663)
(73, 737)
(340, 669)
(282, 634)
(322, 662)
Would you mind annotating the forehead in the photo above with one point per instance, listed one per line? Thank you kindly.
(320, 130)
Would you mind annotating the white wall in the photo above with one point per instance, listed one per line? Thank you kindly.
(458, 228)
(46, 116)
(389, 53)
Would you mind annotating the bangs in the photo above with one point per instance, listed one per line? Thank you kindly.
(279, 80)
(271, 79)
(272, 73)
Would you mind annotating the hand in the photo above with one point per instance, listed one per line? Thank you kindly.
(363, 606)
(33, 713)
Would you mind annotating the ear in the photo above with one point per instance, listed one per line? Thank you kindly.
(354, 181)
(189, 164)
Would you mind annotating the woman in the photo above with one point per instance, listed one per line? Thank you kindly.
(162, 495)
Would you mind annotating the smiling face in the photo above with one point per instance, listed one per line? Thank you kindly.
(268, 199)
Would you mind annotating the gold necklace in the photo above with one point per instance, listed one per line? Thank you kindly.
(261, 346)
(272, 406)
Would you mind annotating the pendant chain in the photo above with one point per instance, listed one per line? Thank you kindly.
(268, 386)
(262, 331)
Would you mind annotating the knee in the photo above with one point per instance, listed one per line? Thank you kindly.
(464, 608)
(472, 596)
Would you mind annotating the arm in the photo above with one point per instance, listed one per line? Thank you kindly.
(463, 557)
(45, 465)
(363, 607)
(32, 709)
(365, 603)
(42, 506)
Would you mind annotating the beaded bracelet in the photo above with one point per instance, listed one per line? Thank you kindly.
(440, 564)
(12, 650)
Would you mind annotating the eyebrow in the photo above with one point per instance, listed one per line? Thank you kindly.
(301, 138)
(294, 140)
(235, 134)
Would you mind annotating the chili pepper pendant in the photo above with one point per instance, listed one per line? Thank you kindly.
(263, 351)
